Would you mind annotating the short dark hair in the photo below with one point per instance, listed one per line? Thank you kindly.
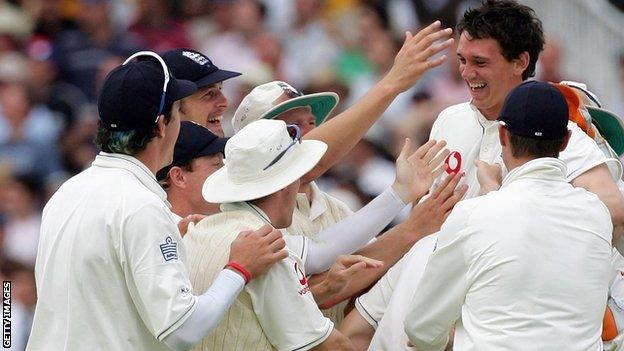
(515, 27)
(128, 142)
(523, 147)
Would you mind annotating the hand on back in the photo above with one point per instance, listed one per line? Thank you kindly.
(258, 250)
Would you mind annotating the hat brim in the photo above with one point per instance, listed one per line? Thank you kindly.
(321, 104)
(610, 127)
(215, 77)
(180, 89)
(219, 188)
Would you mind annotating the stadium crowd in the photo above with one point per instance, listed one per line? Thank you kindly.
(55, 54)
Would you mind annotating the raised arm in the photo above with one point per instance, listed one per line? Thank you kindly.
(342, 132)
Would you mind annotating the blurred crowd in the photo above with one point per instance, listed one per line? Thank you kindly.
(54, 55)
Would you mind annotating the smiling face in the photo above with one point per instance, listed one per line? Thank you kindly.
(489, 76)
(206, 107)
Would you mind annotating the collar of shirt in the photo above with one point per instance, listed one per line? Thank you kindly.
(546, 168)
(484, 122)
(318, 206)
(247, 207)
(134, 166)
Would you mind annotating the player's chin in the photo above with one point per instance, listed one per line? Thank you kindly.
(215, 126)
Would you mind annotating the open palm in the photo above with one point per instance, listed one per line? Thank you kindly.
(416, 171)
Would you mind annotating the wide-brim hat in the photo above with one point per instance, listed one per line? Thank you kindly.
(250, 171)
(260, 104)
(321, 105)
(610, 127)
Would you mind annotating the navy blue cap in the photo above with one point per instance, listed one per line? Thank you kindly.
(131, 94)
(194, 66)
(193, 141)
(535, 110)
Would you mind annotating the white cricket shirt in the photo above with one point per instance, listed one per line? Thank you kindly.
(384, 307)
(518, 267)
(275, 310)
(110, 267)
(309, 219)
(469, 135)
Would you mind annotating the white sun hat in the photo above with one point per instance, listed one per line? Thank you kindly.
(260, 104)
(262, 158)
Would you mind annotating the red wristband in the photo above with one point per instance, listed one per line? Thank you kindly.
(239, 268)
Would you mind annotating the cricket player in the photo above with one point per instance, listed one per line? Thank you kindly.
(499, 44)
(197, 154)
(110, 267)
(518, 268)
(207, 105)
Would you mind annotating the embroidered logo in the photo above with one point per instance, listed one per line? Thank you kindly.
(199, 59)
(169, 249)
(302, 280)
(453, 162)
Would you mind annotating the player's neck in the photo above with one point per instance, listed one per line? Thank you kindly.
(151, 158)
(515, 162)
(492, 113)
(178, 205)
(273, 208)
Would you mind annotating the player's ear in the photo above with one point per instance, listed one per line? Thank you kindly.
(160, 126)
(503, 137)
(176, 177)
(521, 63)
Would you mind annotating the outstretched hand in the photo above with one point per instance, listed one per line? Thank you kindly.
(416, 171)
(324, 286)
(427, 217)
(415, 56)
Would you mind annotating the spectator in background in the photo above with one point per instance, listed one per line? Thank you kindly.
(63, 98)
(19, 201)
(79, 52)
(157, 26)
(236, 23)
(549, 64)
(28, 131)
(309, 47)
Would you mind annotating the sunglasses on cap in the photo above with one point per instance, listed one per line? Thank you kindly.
(289, 90)
(153, 55)
(295, 134)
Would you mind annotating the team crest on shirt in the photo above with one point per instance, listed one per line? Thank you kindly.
(302, 280)
(453, 162)
(169, 249)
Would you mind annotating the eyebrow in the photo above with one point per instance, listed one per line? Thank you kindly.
(474, 57)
